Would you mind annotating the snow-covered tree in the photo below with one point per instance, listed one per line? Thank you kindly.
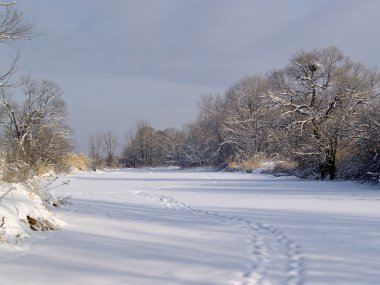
(141, 149)
(35, 131)
(361, 157)
(210, 120)
(168, 146)
(246, 122)
(320, 94)
(196, 147)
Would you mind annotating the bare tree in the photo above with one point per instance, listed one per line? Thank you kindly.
(142, 146)
(361, 157)
(320, 93)
(149, 147)
(169, 146)
(12, 25)
(211, 117)
(246, 121)
(197, 146)
(12, 29)
(109, 144)
(95, 152)
(36, 131)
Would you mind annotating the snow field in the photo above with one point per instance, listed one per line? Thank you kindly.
(157, 226)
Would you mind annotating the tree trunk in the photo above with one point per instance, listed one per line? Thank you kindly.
(328, 167)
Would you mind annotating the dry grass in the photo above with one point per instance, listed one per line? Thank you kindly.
(19, 171)
(268, 165)
(248, 165)
(16, 172)
(42, 169)
(76, 161)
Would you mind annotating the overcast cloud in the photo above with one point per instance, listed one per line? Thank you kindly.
(120, 61)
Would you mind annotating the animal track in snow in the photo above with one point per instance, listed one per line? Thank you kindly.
(275, 258)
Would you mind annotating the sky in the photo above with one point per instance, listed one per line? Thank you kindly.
(121, 61)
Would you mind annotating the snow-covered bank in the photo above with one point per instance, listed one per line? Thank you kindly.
(21, 212)
(180, 227)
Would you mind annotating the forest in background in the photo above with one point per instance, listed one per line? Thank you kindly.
(317, 117)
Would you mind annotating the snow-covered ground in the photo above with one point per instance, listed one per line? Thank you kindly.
(162, 226)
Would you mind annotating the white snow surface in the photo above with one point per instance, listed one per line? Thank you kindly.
(167, 226)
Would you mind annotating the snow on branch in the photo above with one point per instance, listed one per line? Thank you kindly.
(7, 4)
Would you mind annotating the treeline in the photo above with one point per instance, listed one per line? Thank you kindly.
(321, 111)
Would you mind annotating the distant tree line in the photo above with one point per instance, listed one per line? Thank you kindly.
(321, 111)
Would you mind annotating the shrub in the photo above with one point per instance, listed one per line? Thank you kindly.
(16, 172)
(72, 161)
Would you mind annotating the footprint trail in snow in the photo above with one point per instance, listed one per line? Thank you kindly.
(275, 258)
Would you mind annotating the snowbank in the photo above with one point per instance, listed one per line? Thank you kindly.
(23, 211)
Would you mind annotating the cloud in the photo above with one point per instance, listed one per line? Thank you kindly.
(161, 50)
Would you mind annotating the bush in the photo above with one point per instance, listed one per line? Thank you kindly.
(272, 165)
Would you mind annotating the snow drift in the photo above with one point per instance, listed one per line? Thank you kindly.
(21, 211)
